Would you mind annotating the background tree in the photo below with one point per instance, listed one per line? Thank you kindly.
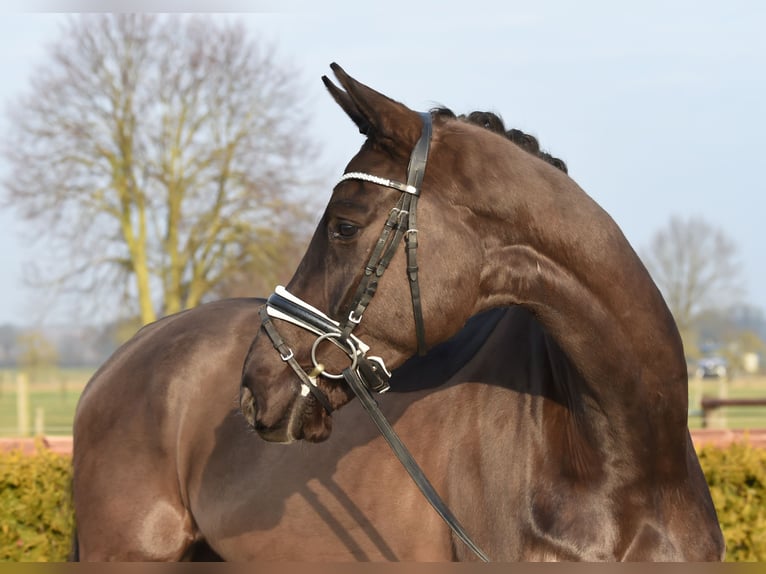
(159, 157)
(731, 333)
(9, 347)
(37, 352)
(695, 266)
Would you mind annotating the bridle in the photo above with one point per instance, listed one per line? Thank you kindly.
(401, 224)
(368, 374)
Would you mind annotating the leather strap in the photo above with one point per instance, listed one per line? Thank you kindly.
(289, 357)
(415, 173)
(408, 461)
(401, 224)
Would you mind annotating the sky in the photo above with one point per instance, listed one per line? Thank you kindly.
(658, 107)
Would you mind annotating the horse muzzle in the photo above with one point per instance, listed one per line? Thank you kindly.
(278, 431)
(302, 419)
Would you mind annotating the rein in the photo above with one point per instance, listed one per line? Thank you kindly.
(366, 374)
(409, 463)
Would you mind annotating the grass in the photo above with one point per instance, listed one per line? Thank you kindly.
(56, 392)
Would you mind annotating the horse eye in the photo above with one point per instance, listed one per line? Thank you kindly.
(345, 231)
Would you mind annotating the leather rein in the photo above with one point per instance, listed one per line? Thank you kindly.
(368, 374)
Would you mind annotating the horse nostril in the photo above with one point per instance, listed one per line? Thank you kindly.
(247, 405)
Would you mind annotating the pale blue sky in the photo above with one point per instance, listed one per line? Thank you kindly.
(658, 107)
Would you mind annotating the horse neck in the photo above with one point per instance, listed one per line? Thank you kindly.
(552, 249)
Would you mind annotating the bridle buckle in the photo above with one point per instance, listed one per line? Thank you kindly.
(353, 318)
(287, 357)
(374, 374)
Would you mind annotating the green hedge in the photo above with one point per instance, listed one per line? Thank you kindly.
(36, 522)
(36, 518)
(737, 479)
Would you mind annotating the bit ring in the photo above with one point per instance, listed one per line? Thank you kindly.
(350, 351)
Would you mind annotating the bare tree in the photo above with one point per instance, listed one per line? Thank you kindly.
(37, 351)
(695, 266)
(158, 157)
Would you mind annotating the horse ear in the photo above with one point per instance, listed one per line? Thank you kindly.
(377, 116)
(345, 102)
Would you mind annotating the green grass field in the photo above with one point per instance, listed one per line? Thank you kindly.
(56, 392)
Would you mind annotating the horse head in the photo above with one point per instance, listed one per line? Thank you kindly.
(334, 265)
(490, 225)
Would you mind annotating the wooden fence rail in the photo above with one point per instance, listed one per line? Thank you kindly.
(711, 404)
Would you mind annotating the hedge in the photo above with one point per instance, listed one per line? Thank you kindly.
(36, 519)
(737, 479)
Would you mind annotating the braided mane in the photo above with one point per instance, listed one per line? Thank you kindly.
(494, 123)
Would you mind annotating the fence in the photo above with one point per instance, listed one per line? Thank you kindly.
(39, 403)
(722, 403)
(43, 402)
(709, 405)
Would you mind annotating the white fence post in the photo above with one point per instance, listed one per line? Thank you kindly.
(723, 393)
(39, 421)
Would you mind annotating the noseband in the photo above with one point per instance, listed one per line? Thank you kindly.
(366, 374)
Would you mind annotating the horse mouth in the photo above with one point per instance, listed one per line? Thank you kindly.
(289, 428)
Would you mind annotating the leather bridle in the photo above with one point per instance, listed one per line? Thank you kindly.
(366, 374)
(401, 224)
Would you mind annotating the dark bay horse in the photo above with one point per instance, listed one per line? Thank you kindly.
(521, 444)
(160, 421)
(615, 474)
(165, 468)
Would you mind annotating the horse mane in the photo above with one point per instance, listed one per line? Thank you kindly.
(494, 123)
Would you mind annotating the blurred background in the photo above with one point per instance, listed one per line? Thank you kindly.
(151, 162)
